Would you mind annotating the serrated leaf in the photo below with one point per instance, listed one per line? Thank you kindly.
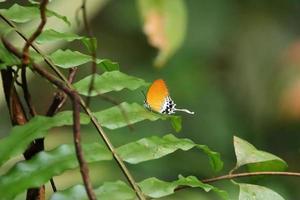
(156, 147)
(21, 136)
(44, 165)
(108, 191)
(126, 114)
(108, 65)
(256, 192)
(7, 58)
(51, 35)
(164, 25)
(256, 160)
(23, 14)
(107, 82)
(68, 58)
(156, 188)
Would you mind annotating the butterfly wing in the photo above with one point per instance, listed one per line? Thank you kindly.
(157, 94)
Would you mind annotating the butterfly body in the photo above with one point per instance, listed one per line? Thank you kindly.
(159, 100)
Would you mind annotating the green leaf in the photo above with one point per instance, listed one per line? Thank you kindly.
(7, 58)
(107, 82)
(68, 58)
(126, 114)
(156, 147)
(108, 65)
(21, 136)
(108, 191)
(156, 188)
(40, 168)
(256, 160)
(59, 16)
(90, 43)
(165, 26)
(256, 192)
(51, 35)
(23, 14)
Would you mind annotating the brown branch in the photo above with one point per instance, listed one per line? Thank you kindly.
(58, 101)
(94, 120)
(241, 175)
(93, 51)
(26, 58)
(18, 117)
(76, 117)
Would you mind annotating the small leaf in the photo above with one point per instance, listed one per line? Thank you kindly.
(68, 58)
(126, 114)
(164, 25)
(108, 65)
(90, 43)
(107, 82)
(7, 58)
(23, 14)
(108, 191)
(256, 160)
(156, 147)
(51, 35)
(21, 136)
(59, 16)
(256, 192)
(44, 165)
(156, 188)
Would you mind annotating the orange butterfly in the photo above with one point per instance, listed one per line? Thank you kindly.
(159, 100)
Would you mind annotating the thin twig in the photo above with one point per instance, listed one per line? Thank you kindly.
(93, 51)
(26, 58)
(240, 175)
(76, 125)
(57, 102)
(247, 174)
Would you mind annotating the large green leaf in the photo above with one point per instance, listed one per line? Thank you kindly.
(156, 188)
(125, 114)
(156, 147)
(21, 136)
(51, 35)
(164, 25)
(108, 191)
(39, 169)
(23, 14)
(256, 192)
(107, 82)
(7, 58)
(68, 58)
(256, 160)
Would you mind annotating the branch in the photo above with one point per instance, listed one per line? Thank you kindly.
(58, 101)
(95, 122)
(76, 117)
(93, 51)
(26, 58)
(240, 175)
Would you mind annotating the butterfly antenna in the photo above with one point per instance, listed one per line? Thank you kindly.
(184, 110)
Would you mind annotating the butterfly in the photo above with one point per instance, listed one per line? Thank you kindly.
(158, 99)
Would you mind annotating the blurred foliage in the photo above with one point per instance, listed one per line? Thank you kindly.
(238, 69)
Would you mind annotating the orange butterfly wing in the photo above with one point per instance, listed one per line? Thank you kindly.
(157, 94)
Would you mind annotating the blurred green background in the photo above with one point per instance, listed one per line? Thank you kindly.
(238, 69)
